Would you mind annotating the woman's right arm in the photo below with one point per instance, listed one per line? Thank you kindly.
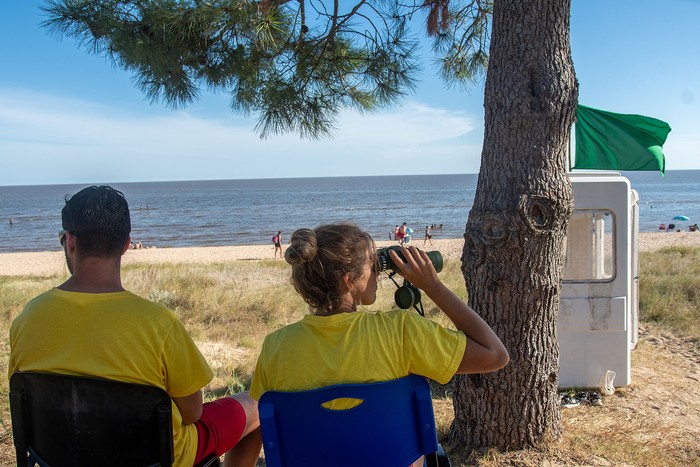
(484, 352)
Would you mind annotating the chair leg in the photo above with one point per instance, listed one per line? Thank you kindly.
(210, 461)
(442, 459)
(34, 462)
(438, 459)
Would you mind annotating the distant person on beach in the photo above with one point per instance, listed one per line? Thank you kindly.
(407, 235)
(334, 269)
(428, 237)
(90, 325)
(277, 241)
(396, 232)
(11, 221)
(401, 233)
(693, 228)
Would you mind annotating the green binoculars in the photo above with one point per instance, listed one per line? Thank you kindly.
(385, 262)
(406, 295)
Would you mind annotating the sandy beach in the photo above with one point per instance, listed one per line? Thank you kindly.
(50, 263)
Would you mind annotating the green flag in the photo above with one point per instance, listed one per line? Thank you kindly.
(606, 140)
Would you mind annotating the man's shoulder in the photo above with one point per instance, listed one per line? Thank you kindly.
(127, 301)
(47, 296)
(150, 305)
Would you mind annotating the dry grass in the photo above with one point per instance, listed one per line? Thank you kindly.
(230, 307)
(670, 289)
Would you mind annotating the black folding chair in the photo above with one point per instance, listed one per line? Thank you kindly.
(61, 420)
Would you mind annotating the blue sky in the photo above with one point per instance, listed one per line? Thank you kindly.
(70, 117)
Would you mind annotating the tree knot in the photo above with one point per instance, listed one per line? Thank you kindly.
(538, 213)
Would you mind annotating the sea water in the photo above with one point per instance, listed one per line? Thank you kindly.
(244, 212)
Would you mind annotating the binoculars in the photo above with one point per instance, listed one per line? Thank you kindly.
(385, 262)
(406, 295)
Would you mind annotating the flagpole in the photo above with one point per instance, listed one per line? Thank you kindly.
(570, 146)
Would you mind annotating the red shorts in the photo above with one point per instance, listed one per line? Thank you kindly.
(220, 427)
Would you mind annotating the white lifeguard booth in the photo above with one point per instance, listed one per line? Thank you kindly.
(598, 314)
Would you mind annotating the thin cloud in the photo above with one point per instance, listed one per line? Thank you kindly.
(110, 142)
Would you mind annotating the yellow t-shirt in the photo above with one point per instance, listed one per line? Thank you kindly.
(356, 347)
(117, 336)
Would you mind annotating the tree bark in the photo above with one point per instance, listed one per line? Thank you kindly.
(513, 253)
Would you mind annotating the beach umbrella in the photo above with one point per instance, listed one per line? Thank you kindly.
(681, 218)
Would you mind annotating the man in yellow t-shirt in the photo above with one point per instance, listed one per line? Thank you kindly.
(90, 325)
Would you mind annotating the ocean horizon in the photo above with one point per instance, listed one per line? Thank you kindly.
(251, 211)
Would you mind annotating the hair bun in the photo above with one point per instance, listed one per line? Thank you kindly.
(303, 247)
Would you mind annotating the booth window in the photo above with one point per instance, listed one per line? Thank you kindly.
(590, 246)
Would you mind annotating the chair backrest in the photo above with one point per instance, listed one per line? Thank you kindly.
(61, 420)
(392, 426)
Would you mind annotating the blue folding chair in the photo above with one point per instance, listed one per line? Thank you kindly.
(393, 425)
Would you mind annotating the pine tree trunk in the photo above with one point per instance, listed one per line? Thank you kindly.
(512, 257)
